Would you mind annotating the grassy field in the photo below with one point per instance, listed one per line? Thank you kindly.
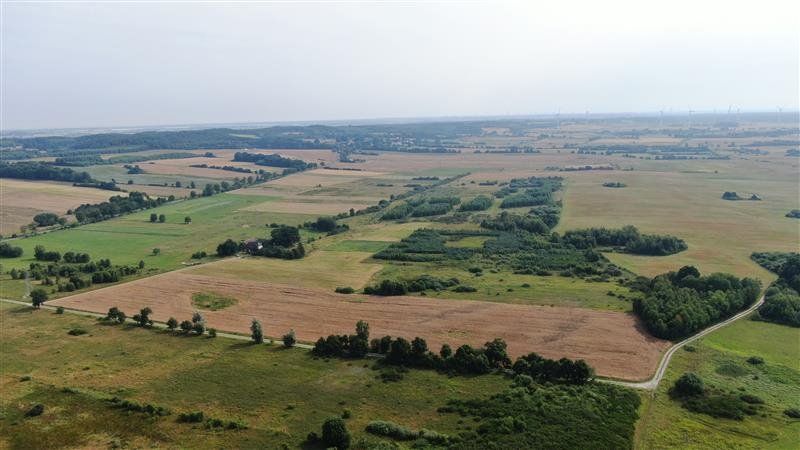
(507, 287)
(720, 359)
(320, 269)
(266, 387)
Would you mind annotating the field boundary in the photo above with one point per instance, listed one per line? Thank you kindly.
(160, 325)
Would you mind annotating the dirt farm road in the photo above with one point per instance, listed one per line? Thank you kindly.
(652, 383)
(649, 385)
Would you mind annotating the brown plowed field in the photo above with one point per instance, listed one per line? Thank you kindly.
(611, 342)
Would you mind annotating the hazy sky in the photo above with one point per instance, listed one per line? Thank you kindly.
(128, 64)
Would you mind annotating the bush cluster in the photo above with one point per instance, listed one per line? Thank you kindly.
(147, 409)
(677, 304)
(782, 298)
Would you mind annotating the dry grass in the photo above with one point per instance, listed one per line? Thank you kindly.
(20, 200)
(181, 166)
(320, 269)
(306, 207)
(721, 234)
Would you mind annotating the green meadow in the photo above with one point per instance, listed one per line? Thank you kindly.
(507, 287)
(720, 359)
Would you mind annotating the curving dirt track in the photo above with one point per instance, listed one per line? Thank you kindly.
(613, 343)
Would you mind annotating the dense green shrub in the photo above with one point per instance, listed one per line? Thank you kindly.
(289, 339)
(387, 287)
(147, 409)
(115, 315)
(431, 209)
(9, 251)
(191, 417)
(227, 248)
(689, 384)
(512, 222)
(626, 238)
(752, 399)
(462, 288)
(392, 430)
(720, 405)
(549, 370)
(354, 345)
(479, 203)
(530, 197)
(794, 413)
(595, 415)
(344, 290)
(335, 433)
(36, 410)
(397, 212)
(755, 360)
(782, 298)
(47, 219)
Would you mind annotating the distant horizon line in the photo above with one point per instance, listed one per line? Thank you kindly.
(91, 129)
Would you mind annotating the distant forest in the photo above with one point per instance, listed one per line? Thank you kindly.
(426, 137)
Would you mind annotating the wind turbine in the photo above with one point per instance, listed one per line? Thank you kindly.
(661, 118)
(690, 118)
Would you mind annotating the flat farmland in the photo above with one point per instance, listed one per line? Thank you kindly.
(145, 181)
(21, 200)
(267, 387)
(613, 343)
(131, 238)
(319, 269)
(720, 234)
(324, 192)
(308, 205)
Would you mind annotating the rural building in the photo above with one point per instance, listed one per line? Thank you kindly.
(252, 245)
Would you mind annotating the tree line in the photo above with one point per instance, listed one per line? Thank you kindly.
(42, 171)
(116, 206)
(273, 160)
(627, 239)
(465, 360)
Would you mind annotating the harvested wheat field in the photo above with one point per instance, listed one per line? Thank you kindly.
(613, 343)
(20, 200)
(183, 166)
